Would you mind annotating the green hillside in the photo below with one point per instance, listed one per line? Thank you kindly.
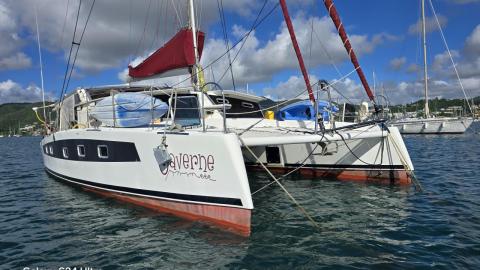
(436, 104)
(13, 115)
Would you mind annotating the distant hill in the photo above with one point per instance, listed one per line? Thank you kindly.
(435, 104)
(13, 115)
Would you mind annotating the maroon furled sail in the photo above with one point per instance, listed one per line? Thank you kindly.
(343, 35)
(176, 53)
(297, 49)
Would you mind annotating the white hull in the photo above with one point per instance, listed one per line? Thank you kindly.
(363, 154)
(202, 182)
(433, 125)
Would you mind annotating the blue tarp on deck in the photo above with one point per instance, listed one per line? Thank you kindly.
(303, 110)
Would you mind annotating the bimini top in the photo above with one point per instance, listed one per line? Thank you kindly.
(303, 110)
(176, 53)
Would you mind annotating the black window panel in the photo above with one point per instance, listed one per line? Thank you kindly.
(187, 111)
(102, 151)
(273, 154)
(81, 150)
(240, 106)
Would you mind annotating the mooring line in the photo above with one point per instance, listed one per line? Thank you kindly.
(405, 165)
(315, 224)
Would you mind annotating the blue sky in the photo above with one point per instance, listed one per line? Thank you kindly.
(382, 33)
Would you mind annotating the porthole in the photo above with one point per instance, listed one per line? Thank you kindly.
(221, 101)
(65, 152)
(102, 151)
(247, 105)
(81, 150)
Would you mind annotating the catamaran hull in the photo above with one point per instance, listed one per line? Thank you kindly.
(434, 126)
(375, 160)
(209, 185)
(370, 153)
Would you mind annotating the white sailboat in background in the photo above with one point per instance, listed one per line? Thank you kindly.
(429, 124)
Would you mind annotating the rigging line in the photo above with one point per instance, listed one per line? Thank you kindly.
(302, 164)
(71, 49)
(77, 49)
(305, 213)
(330, 58)
(41, 69)
(450, 55)
(157, 29)
(80, 42)
(68, 65)
(248, 34)
(64, 23)
(129, 28)
(176, 12)
(225, 37)
(298, 95)
(144, 28)
(340, 93)
(233, 46)
(309, 63)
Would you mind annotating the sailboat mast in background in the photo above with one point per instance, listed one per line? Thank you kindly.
(425, 73)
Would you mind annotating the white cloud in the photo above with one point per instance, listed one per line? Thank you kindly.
(430, 25)
(117, 29)
(259, 61)
(16, 61)
(397, 63)
(294, 87)
(472, 44)
(347, 90)
(10, 57)
(413, 68)
(13, 92)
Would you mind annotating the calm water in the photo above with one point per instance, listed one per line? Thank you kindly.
(45, 223)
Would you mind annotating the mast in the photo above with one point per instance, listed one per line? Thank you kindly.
(41, 72)
(332, 11)
(425, 74)
(288, 21)
(195, 67)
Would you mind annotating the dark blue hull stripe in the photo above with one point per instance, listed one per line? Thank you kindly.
(150, 193)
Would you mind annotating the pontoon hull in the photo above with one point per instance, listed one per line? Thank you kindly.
(209, 185)
(369, 154)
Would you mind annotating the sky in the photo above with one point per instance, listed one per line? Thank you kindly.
(384, 34)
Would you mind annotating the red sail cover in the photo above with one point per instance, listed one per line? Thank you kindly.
(176, 53)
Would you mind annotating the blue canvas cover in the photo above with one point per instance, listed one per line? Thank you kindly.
(303, 110)
(131, 110)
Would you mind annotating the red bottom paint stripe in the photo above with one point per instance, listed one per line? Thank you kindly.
(236, 220)
(396, 177)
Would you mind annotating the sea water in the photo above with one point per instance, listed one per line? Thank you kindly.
(48, 224)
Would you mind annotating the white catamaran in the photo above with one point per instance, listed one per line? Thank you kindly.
(185, 151)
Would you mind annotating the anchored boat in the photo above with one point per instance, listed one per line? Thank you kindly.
(429, 124)
(186, 151)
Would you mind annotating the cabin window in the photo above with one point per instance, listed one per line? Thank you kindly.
(187, 113)
(102, 151)
(221, 101)
(50, 150)
(65, 152)
(247, 105)
(45, 149)
(81, 150)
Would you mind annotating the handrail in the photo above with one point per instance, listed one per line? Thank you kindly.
(224, 105)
